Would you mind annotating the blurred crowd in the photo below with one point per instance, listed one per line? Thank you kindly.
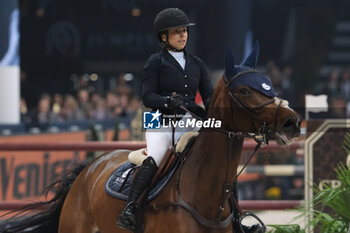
(282, 79)
(82, 105)
(123, 100)
(336, 85)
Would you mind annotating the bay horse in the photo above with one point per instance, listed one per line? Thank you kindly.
(197, 190)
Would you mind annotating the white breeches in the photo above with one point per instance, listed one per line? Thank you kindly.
(159, 141)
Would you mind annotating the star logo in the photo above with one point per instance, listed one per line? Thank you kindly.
(151, 120)
(156, 115)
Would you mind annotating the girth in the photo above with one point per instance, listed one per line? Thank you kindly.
(214, 223)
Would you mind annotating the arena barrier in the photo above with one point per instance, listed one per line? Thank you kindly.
(133, 145)
(274, 170)
(109, 146)
(244, 204)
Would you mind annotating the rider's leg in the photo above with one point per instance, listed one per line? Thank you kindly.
(157, 145)
(127, 219)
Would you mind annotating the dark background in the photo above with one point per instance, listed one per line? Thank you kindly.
(61, 38)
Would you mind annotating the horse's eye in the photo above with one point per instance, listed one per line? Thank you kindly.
(244, 91)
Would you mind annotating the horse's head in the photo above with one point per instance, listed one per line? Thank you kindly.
(246, 101)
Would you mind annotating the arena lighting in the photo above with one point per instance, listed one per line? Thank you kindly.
(136, 12)
(86, 77)
(93, 77)
(128, 77)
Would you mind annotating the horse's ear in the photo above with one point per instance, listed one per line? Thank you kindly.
(252, 59)
(229, 62)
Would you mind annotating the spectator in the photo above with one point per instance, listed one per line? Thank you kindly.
(43, 113)
(113, 101)
(117, 112)
(84, 101)
(99, 111)
(332, 87)
(71, 111)
(57, 103)
(123, 87)
(95, 97)
(134, 104)
(23, 109)
(345, 84)
(124, 102)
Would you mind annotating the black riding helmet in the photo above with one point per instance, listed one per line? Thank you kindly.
(170, 18)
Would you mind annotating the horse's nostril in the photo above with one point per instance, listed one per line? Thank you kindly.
(289, 123)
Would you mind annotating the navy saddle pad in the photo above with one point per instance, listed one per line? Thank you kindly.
(116, 180)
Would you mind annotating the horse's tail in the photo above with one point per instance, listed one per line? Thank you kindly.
(48, 219)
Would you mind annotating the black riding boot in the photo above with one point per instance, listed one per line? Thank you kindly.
(143, 177)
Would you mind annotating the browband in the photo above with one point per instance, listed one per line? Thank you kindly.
(238, 75)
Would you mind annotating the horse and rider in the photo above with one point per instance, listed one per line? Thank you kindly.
(172, 70)
(201, 195)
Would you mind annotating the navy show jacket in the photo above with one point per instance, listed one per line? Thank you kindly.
(163, 75)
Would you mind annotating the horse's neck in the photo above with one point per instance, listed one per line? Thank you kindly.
(221, 107)
(206, 169)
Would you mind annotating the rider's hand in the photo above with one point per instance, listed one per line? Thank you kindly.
(173, 101)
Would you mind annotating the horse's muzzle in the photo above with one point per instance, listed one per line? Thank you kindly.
(291, 127)
(287, 132)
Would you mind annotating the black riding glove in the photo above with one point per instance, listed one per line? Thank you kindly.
(174, 101)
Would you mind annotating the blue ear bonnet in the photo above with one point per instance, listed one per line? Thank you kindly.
(255, 81)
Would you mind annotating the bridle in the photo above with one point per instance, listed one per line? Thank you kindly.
(234, 96)
(236, 213)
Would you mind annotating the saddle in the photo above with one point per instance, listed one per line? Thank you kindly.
(118, 184)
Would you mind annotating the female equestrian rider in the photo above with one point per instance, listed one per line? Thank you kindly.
(172, 70)
(171, 79)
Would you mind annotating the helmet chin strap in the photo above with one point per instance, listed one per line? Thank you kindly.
(172, 49)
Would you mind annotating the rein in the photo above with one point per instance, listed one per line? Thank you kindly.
(229, 190)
